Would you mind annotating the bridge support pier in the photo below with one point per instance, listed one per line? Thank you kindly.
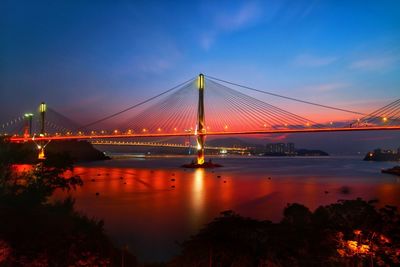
(200, 122)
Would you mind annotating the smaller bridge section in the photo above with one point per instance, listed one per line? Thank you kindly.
(162, 144)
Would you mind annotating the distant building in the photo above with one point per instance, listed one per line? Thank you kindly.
(290, 149)
(270, 148)
(280, 148)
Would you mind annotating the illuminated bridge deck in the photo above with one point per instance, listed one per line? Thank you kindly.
(222, 133)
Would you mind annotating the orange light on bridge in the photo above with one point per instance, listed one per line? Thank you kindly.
(307, 124)
(159, 130)
(144, 130)
(93, 132)
(129, 131)
(102, 132)
(175, 129)
(115, 131)
(385, 119)
(226, 127)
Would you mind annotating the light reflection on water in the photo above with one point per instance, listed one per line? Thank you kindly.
(150, 204)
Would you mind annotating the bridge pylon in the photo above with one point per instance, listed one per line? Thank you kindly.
(28, 125)
(200, 121)
(41, 146)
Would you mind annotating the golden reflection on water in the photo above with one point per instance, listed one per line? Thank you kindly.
(198, 195)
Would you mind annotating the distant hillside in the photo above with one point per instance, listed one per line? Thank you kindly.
(311, 152)
(77, 151)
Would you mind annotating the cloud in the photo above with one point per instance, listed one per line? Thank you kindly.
(375, 63)
(156, 59)
(245, 16)
(276, 137)
(207, 41)
(306, 60)
(155, 65)
(327, 87)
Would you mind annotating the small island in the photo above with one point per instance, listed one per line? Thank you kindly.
(395, 170)
(383, 155)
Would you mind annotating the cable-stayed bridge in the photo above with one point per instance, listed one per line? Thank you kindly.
(199, 107)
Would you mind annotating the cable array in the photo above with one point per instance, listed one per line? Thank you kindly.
(388, 115)
(12, 126)
(174, 111)
(136, 105)
(286, 97)
(226, 110)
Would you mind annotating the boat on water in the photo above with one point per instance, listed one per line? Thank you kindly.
(395, 170)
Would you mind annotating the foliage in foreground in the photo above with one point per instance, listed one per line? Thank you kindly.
(37, 232)
(347, 233)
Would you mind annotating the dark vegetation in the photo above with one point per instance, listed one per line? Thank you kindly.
(347, 233)
(34, 231)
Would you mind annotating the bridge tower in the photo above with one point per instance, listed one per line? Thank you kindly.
(200, 121)
(41, 146)
(28, 125)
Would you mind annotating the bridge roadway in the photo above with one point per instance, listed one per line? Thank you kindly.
(160, 144)
(142, 135)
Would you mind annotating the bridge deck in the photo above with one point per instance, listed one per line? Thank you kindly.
(272, 131)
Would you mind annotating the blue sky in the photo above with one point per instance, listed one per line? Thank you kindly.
(90, 58)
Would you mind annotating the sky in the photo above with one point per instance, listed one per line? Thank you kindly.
(90, 58)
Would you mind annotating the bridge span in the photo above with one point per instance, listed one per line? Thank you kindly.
(162, 144)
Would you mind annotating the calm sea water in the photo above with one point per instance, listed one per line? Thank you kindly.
(150, 204)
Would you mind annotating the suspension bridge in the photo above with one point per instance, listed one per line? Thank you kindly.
(199, 107)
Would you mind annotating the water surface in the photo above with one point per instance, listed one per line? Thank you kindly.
(149, 204)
